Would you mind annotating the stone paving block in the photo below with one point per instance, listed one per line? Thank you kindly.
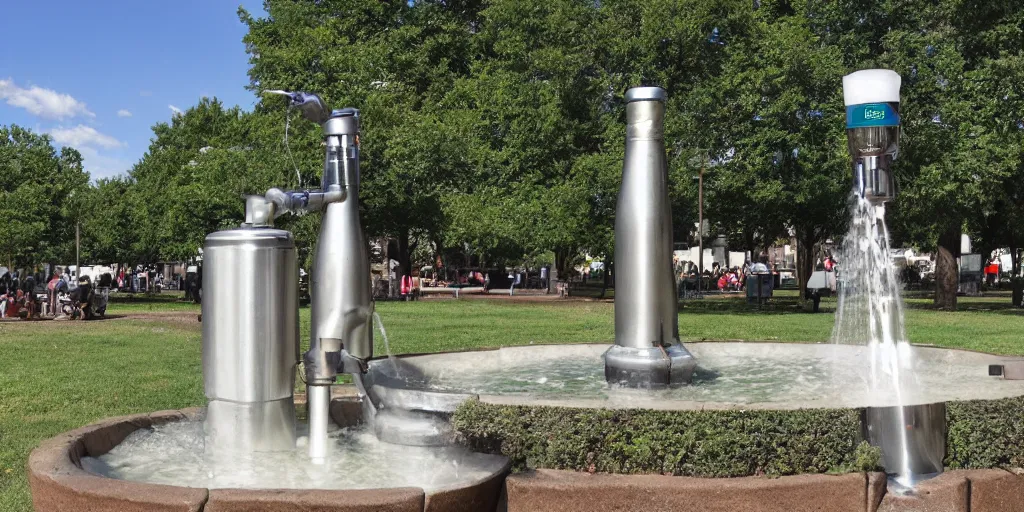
(566, 491)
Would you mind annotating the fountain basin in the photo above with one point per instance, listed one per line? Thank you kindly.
(59, 482)
(753, 408)
(729, 375)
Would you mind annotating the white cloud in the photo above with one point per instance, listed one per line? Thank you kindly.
(45, 103)
(175, 111)
(123, 113)
(103, 166)
(83, 136)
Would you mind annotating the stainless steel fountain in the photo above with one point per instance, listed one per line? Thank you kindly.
(912, 437)
(250, 331)
(647, 352)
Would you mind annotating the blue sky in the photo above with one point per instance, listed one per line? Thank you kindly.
(98, 75)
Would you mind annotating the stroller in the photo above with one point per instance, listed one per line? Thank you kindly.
(88, 301)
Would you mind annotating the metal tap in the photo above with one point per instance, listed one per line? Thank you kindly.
(341, 337)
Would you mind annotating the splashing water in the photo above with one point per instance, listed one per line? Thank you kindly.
(175, 454)
(387, 346)
(870, 309)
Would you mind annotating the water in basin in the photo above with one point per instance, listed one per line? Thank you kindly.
(729, 375)
(175, 454)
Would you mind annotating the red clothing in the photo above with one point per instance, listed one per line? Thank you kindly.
(992, 269)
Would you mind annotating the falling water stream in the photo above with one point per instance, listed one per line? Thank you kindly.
(870, 310)
(387, 346)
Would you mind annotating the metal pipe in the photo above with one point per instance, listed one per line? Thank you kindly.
(318, 405)
(647, 352)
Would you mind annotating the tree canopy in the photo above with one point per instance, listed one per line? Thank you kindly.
(493, 130)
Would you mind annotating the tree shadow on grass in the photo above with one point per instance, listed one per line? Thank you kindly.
(147, 298)
(787, 306)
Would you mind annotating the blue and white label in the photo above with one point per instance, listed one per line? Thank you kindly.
(872, 114)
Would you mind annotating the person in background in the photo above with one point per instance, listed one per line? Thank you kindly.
(4, 289)
(992, 271)
(29, 288)
(52, 288)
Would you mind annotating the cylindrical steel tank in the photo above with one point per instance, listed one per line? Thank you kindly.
(912, 439)
(647, 352)
(250, 338)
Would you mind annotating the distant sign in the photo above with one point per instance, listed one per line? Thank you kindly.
(970, 263)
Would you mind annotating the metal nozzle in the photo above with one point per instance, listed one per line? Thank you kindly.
(873, 150)
(312, 106)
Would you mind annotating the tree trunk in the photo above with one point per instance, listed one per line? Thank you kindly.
(439, 271)
(946, 275)
(561, 262)
(403, 256)
(1016, 281)
(804, 262)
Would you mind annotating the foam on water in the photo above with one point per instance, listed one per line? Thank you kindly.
(175, 454)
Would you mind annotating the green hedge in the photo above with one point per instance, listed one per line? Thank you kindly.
(692, 443)
(982, 434)
(985, 434)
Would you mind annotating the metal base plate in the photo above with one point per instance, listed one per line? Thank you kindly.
(648, 368)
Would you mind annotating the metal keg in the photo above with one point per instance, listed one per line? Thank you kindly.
(250, 339)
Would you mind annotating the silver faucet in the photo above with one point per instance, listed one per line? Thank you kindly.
(341, 337)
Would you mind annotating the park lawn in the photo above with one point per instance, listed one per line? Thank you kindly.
(56, 376)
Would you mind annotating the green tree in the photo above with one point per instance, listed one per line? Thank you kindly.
(39, 190)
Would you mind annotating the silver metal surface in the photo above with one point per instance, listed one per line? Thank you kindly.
(341, 335)
(412, 428)
(645, 300)
(259, 212)
(318, 408)
(233, 427)
(912, 439)
(340, 296)
(416, 399)
(250, 333)
(873, 150)
(646, 94)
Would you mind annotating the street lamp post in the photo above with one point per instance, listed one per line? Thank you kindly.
(700, 230)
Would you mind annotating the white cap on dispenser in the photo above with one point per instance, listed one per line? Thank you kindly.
(871, 86)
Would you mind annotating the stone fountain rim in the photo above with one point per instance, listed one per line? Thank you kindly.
(58, 481)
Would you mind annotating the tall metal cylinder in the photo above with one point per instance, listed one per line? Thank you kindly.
(647, 352)
(250, 339)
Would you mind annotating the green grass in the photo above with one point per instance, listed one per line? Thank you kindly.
(56, 376)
